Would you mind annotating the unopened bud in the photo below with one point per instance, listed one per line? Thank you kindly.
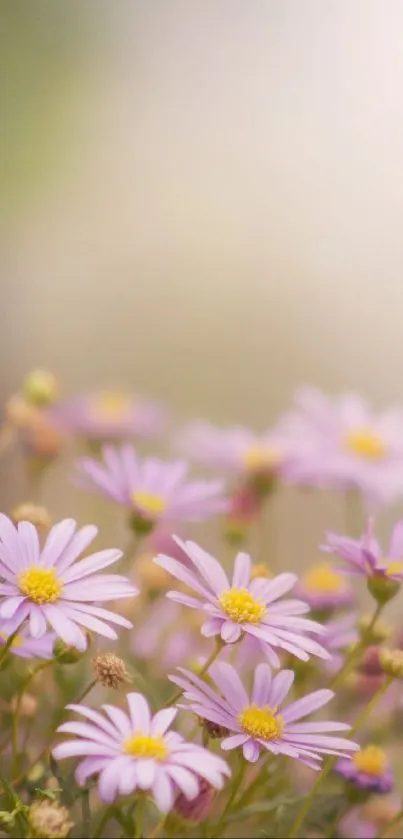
(65, 654)
(40, 388)
(214, 730)
(110, 670)
(38, 516)
(382, 588)
(391, 662)
(49, 820)
(370, 663)
(198, 808)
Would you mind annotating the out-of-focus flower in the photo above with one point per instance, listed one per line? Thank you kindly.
(37, 515)
(367, 770)
(23, 644)
(258, 721)
(40, 387)
(364, 557)
(339, 442)
(49, 820)
(152, 489)
(108, 415)
(34, 428)
(137, 751)
(244, 607)
(324, 589)
(49, 587)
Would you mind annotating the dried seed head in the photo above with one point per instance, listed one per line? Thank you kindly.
(49, 820)
(110, 670)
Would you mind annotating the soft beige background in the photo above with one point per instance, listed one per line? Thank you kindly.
(225, 216)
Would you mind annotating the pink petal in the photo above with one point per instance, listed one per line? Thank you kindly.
(92, 563)
(241, 571)
(140, 712)
(67, 630)
(307, 705)
(146, 771)
(57, 541)
(75, 548)
(163, 792)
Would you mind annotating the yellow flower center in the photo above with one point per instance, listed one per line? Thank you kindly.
(394, 567)
(40, 584)
(365, 443)
(111, 405)
(261, 722)
(240, 606)
(322, 579)
(260, 570)
(143, 746)
(148, 502)
(261, 458)
(371, 760)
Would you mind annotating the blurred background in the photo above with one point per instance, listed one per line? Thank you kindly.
(203, 202)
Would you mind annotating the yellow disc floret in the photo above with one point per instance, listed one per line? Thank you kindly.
(142, 746)
(149, 502)
(365, 443)
(40, 584)
(323, 579)
(241, 606)
(261, 723)
(371, 760)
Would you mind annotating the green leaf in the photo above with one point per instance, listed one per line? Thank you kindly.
(48, 793)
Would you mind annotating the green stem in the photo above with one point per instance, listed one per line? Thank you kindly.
(329, 763)
(217, 830)
(86, 813)
(139, 817)
(157, 829)
(388, 826)
(5, 649)
(201, 673)
(84, 693)
(255, 784)
(103, 821)
(17, 711)
(357, 650)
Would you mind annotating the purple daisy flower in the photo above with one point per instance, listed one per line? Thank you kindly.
(364, 557)
(244, 606)
(258, 721)
(107, 415)
(324, 589)
(367, 770)
(339, 442)
(235, 450)
(48, 587)
(151, 489)
(137, 751)
(23, 644)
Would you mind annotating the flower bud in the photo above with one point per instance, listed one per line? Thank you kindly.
(49, 820)
(38, 516)
(391, 662)
(370, 663)
(65, 654)
(382, 588)
(110, 670)
(40, 388)
(198, 808)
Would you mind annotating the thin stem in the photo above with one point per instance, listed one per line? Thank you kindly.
(201, 673)
(84, 693)
(17, 711)
(86, 813)
(357, 650)
(391, 823)
(157, 829)
(255, 784)
(103, 822)
(217, 830)
(5, 649)
(329, 763)
(139, 817)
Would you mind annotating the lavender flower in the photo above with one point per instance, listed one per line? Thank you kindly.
(324, 590)
(368, 770)
(256, 720)
(107, 415)
(364, 557)
(48, 587)
(236, 451)
(23, 645)
(137, 751)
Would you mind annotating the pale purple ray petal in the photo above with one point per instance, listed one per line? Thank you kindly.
(105, 614)
(185, 780)
(130, 465)
(68, 631)
(10, 540)
(281, 686)
(193, 682)
(79, 543)
(273, 589)
(75, 748)
(230, 632)
(89, 732)
(163, 791)
(89, 766)
(289, 607)
(8, 589)
(29, 542)
(9, 607)
(120, 720)
(183, 574)
(161, 721)
(234, 741)
(92, 563)
(128, 779)
(58, 538)
(317, 727)
(241, 571)
(251, 751)
(229, 684)
(146, 771)
(109, 778)
(261, 685)
(97, 718)
(307, 705)
(212, 713)
(90, 622)
(8, 566)
(205, 761)
(184, 599)
(139, 711)
(207, 566)
(37, 622)
(321, 741)
(212, 627)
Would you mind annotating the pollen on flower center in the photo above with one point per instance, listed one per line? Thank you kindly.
(364, 443)
(142, 746)
(371, 760)
(111, 405)
(260, 458)
(323, 579)
(149, 502)
(394, 567)
(261, 722)
(241, 606)
(40, 584)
